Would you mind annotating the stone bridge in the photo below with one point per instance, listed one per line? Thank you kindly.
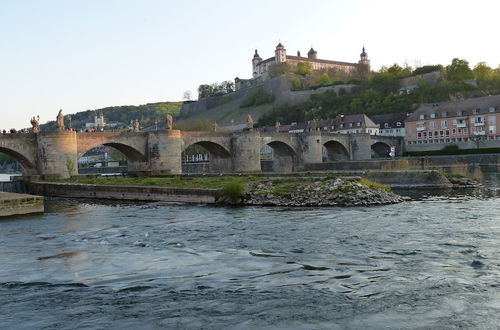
(56, 154)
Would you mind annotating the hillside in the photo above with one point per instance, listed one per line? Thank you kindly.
(302, 96)
(122, 115)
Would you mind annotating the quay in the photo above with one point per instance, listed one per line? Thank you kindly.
(17, 204)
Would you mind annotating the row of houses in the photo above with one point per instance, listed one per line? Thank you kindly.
(470, 123)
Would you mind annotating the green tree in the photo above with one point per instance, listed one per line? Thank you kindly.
(428, 69)
(323, 80)
(482, 72)
(303, 68)
(279, 69)
(458, 71)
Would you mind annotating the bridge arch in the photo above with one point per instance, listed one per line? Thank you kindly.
(380, 150)
(283, 157)
(29, 167)
(130, 152)
(134, 159)
(334, 151)
(215, 158)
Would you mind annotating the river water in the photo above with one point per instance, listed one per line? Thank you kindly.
(429, 263)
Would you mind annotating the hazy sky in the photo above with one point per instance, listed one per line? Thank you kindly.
(87, 54)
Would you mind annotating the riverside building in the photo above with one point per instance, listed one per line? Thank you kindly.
(468, 124)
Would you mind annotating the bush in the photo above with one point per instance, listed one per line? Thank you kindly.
(233, 190)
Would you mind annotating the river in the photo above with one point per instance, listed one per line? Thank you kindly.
(429, 263)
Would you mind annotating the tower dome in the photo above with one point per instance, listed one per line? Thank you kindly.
(364, 55)
(312, 53)
(256, 55)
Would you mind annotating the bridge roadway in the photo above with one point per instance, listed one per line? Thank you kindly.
(55, 154)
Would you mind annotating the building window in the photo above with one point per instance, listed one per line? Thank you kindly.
(398, 124)
(476, 111)
(459, 113)
(421, 116)
(432, 125)
(433, 115)
(444, 124)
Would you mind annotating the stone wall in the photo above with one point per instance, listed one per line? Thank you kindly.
(125, 192)
(462, 164)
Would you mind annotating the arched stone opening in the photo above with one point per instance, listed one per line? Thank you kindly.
(278, 157)
(334, 151)
(206, 157)
(109, 158)
(380, 150)
(20, 162)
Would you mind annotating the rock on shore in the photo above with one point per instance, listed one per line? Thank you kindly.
(330, 192)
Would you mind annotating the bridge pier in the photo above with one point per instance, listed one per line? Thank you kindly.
(312, 152)
(245, 151)
(57, 154)
(360, 146)
(164, 152)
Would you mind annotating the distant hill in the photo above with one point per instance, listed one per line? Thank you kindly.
(146, 114)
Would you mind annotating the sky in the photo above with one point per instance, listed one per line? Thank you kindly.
(89, 54)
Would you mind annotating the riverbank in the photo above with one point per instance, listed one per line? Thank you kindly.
(18, 204)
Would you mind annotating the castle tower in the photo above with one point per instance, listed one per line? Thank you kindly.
(312, 54)
(255, 61)
(280, 53)
(364, 59)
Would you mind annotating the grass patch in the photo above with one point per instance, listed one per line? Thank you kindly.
(373, 184)
(174, 181)
(454, 175)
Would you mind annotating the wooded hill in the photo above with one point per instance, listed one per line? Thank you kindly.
(122, 115)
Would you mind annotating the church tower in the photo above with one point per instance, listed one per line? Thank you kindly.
(255, 61)
(280, 53)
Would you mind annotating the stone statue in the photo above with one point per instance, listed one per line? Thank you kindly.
(35, 123)
(277, 126)
(168, 122)
(136, 126)
(249, 122)
(215, 126)
(60, 120)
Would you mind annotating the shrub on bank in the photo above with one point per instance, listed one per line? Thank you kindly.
(233, 190)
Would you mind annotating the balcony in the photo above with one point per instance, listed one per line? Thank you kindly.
(478, 124)
(420, 128)
(461, 125)
(480, 133)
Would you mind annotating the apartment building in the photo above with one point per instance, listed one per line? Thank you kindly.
(470, 123)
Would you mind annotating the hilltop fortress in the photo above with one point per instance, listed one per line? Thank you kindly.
(261, 68)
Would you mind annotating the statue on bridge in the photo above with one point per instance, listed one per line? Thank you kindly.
(136, 127)
(168, 122)
(249, 122)
(277, 126)
(35, 123)
(215, 126)
(60, 120)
